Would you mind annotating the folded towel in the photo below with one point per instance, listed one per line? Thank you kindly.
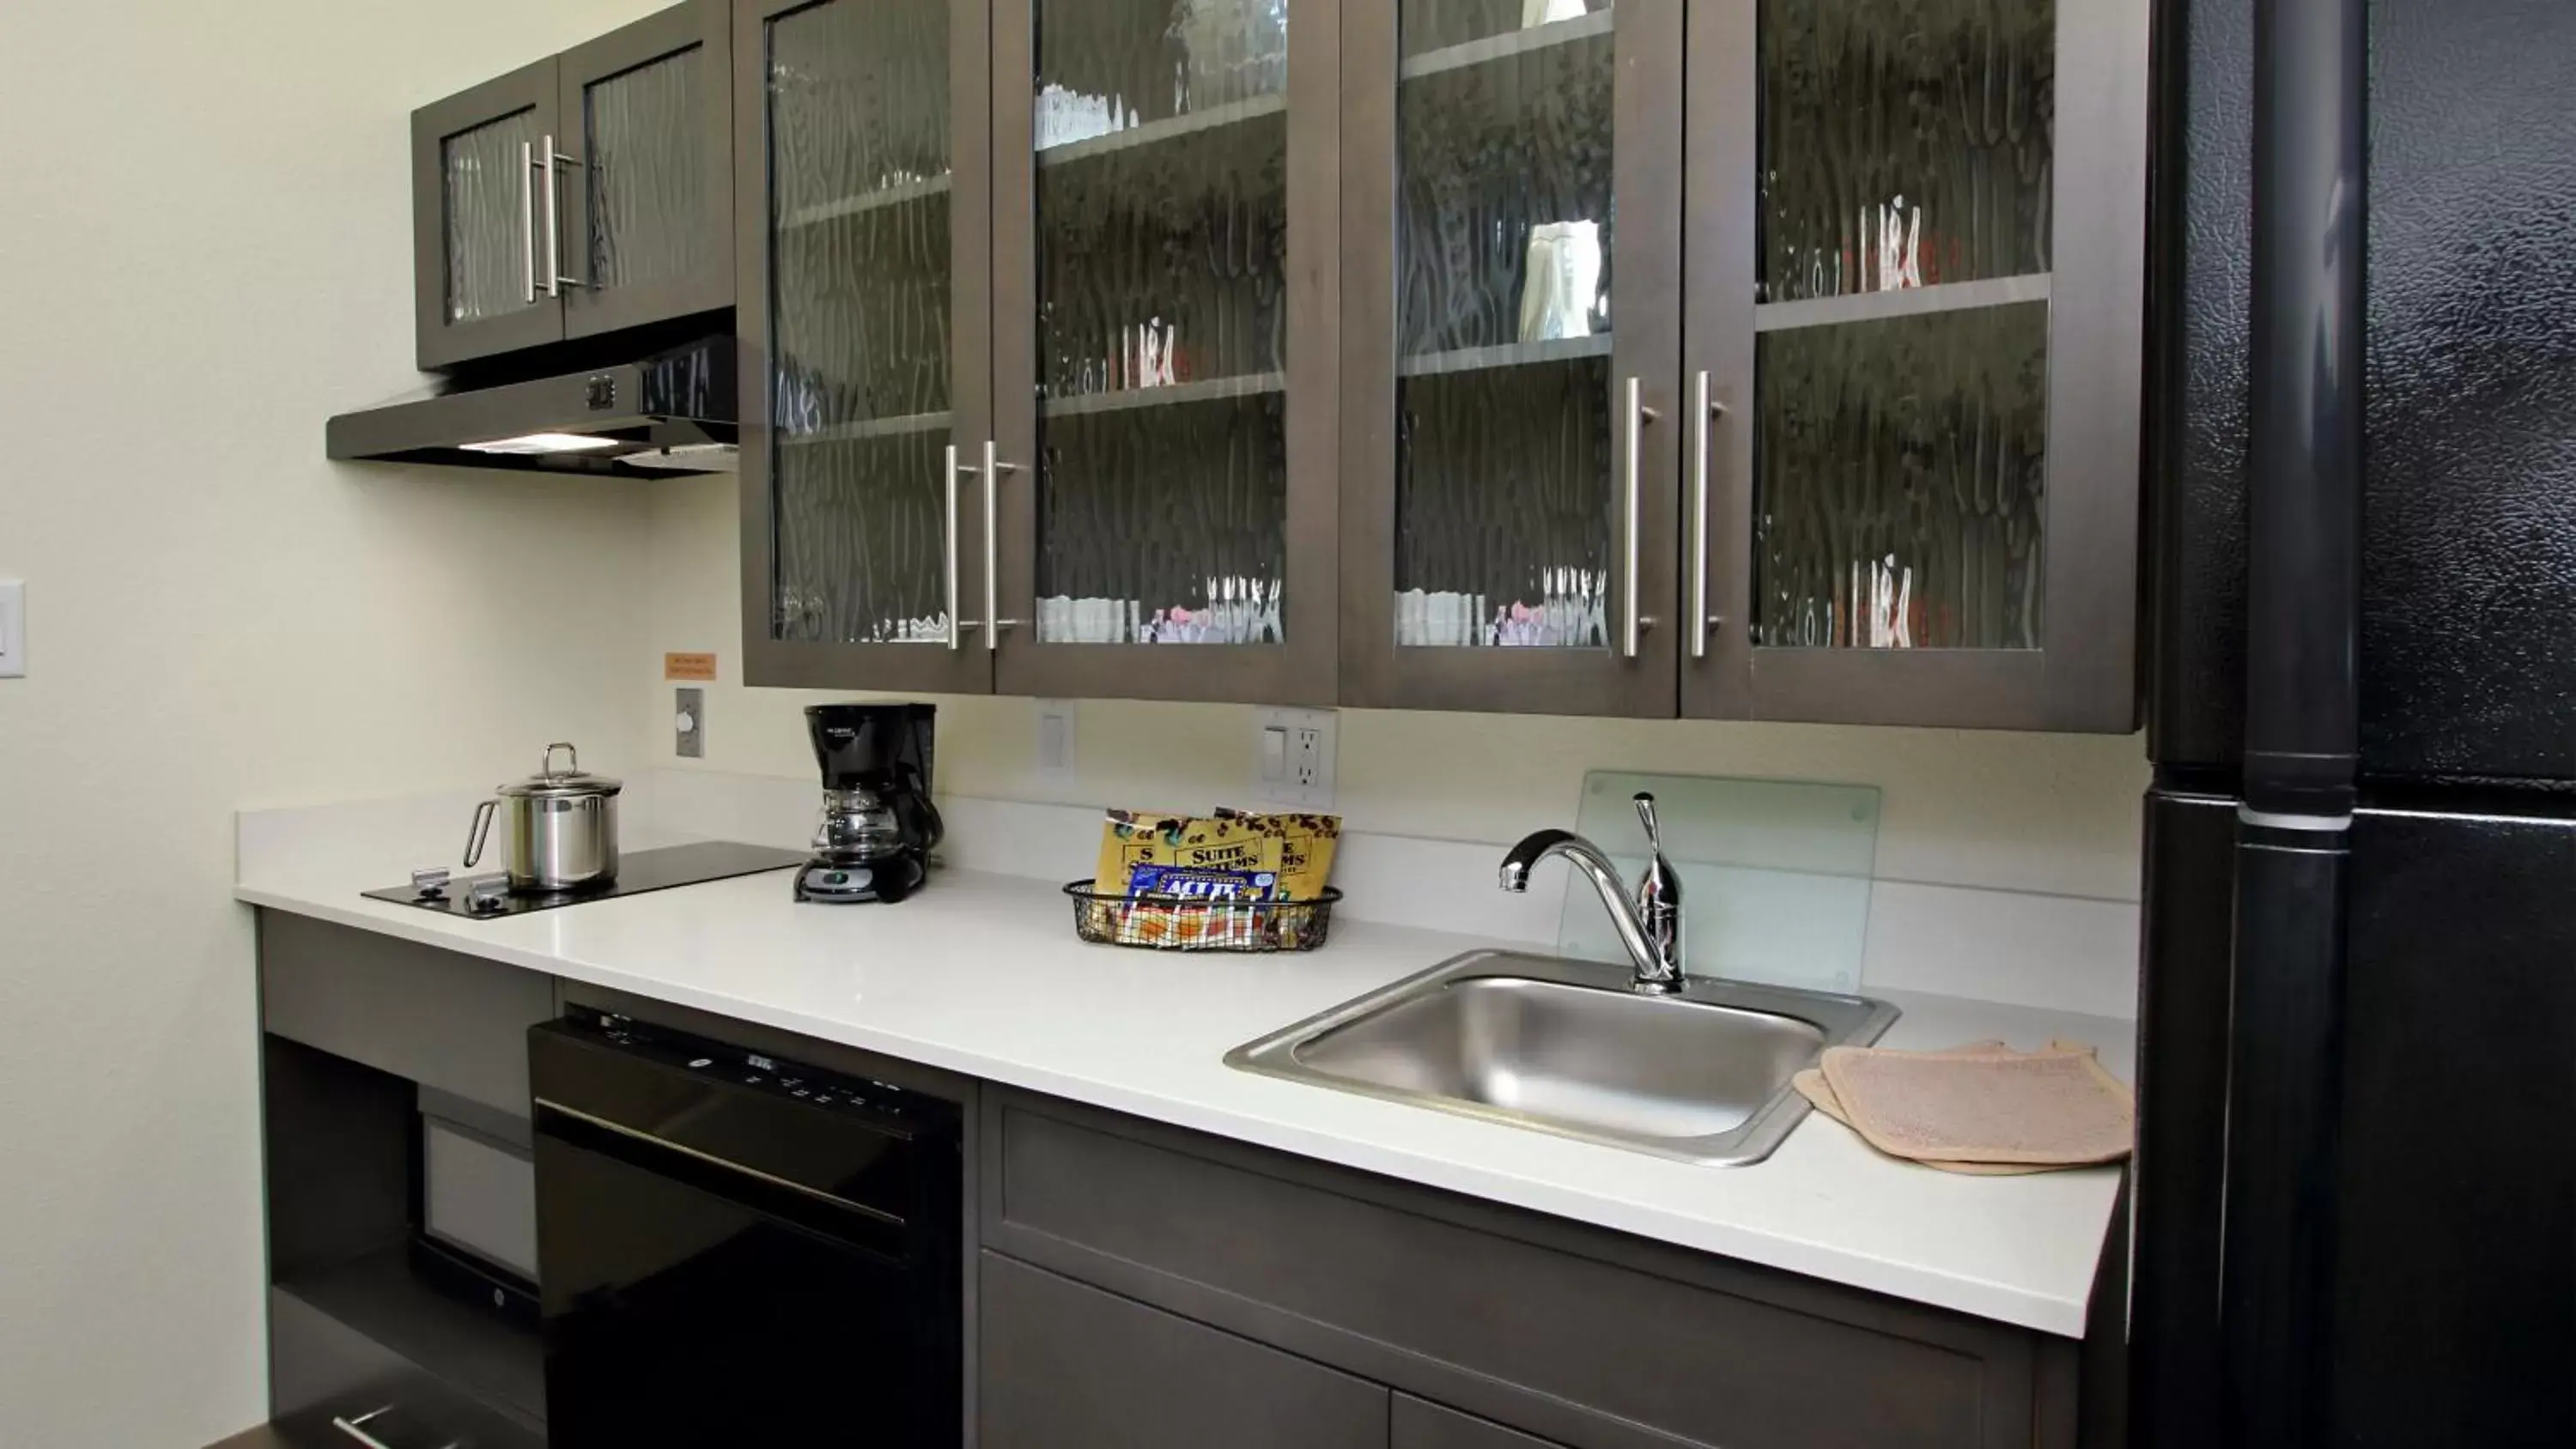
(1981, 1108)
(1811, 1084)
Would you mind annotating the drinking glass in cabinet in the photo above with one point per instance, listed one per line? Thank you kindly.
(1505, 503)
(1901, 323)
(858, 130)
(1161, 226)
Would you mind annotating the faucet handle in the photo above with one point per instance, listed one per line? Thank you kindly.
(1646, 816)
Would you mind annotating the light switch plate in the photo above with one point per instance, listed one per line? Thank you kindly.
(1055, 740)
(1292, 756)
(13, 629)
(689, 723)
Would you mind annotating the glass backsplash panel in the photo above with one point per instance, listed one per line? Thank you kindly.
(1775, 873)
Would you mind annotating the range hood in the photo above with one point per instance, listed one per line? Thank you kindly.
(670, 413)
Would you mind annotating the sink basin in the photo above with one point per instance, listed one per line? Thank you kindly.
(1568, 1047)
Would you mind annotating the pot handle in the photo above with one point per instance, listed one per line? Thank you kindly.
(479, 832)
(546, 766)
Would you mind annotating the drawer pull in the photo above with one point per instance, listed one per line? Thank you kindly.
(355, 1429)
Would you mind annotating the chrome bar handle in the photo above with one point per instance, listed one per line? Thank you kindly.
(950, 471)
(1703, 410)
(556, 280)
(994, 623)
(528, 219)
(1630, 624)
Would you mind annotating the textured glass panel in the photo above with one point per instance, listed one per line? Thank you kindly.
(1164, 524)
(487, 198)
(1898, 467)
(862, 540)
(1904, 143)
(1162, 250)
(859, 314)
(648, 170)
(1504, 504)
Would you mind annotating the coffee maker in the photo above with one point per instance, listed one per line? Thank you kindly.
(878, 824)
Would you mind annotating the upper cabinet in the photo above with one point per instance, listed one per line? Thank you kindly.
(1914, 274)
(1807, 390)
(589, 192)
(1037, 301)
(1511, 220)
(1764, 359)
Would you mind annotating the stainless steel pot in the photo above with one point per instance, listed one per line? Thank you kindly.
(562, 830)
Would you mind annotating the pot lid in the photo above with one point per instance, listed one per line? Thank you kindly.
(550, 783)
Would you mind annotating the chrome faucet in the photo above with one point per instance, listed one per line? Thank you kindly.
(1651, 927)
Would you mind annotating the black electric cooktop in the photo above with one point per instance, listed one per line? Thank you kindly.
(644, 870)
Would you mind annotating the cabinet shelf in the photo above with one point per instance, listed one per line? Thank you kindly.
(1152, 132)
(1902, 302)
(1214, 389)
(872, 428)
(1509, 354)
(1501, 47)
(865, 202)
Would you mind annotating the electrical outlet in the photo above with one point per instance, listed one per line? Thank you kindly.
(689, 723)
(13, 629)
(1055, 740)
(1292, 757)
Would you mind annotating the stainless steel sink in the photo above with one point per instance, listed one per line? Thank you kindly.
(1569, 1047)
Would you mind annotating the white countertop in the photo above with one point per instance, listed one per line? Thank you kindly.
(982, 975)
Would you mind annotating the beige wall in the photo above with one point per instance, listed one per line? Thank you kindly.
(2055, 813)
(204, 250)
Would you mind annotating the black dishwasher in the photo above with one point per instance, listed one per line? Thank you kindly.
(737, 1249)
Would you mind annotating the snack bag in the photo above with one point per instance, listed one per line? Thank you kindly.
(1306, 845)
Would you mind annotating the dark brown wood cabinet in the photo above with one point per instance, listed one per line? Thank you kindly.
(1064, 1366)
(587, 193)
(1038, 375)
(1744, 359)
(1493, 1328)
(1913, 361)
(1563, 356)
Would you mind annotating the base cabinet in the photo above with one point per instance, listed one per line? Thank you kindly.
(1071, 1367)
(1172, 1263)
(1420, 1424)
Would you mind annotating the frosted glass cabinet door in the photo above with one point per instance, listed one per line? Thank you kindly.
(476, 220)
(1510, 217)
(860, 139)
(647, 186)
(1162, 350)
(1915, 245)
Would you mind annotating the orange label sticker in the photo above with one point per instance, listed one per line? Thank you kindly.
(688, 666)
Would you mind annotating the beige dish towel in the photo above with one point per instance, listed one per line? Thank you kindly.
(1980, 1108)
(1811, 1084)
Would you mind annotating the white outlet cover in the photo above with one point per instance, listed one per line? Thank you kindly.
(13, 629)
(1295, 766)
(1055, 750)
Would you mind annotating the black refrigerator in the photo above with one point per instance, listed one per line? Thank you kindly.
(2355, 1201)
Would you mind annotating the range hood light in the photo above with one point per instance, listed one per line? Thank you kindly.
(533, 443)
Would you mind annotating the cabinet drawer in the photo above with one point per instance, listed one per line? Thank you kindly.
(324, 1375)
(457, 1023)
(1587, 1337)
(1070, 1367)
